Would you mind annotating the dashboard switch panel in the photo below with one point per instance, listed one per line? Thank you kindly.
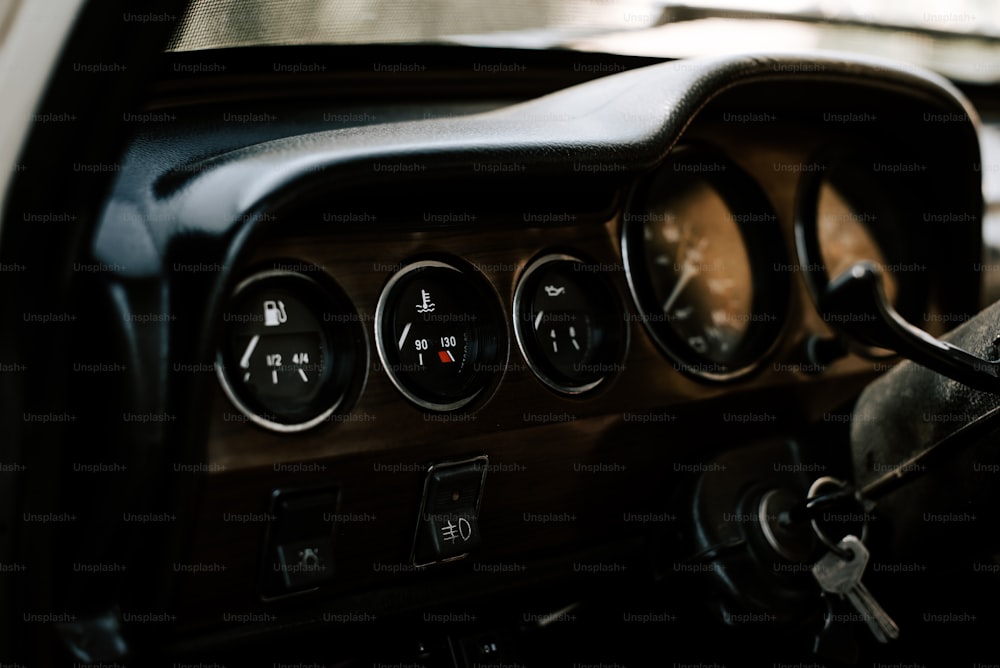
(299, 551)
(448, 524)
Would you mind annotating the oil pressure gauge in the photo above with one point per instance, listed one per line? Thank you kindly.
(568, 324)
(292, 349)
(439, 335)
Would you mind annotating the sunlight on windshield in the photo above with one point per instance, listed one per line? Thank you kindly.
(954, 16)
(225, 23)
(950, 37)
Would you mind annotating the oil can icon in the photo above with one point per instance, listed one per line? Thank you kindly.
(274, 313)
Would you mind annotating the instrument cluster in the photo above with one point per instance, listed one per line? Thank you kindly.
(708, 273)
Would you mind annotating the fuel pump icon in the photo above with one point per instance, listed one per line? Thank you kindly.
(274, 313)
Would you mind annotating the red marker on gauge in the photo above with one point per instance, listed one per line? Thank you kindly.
(445, 356)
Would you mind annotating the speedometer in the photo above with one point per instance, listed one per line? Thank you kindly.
(701, 246)
(700, 271)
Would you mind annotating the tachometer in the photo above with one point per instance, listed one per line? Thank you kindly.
(851, 211)
(846, 237)
(702, 251)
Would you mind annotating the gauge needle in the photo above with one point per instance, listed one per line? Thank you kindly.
(402, 338)
(245, 360)
(687, 274)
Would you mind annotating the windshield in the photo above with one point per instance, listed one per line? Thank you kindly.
(958, 38)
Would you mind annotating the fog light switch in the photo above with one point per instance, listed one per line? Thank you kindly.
(448, 524)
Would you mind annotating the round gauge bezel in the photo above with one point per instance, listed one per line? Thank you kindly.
(763, 243)
(491, 336)
(614, 345)
(344, 338)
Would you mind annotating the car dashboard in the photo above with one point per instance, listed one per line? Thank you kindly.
(406, 370)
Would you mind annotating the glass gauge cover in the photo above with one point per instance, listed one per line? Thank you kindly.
(291, 350)
(439, 335)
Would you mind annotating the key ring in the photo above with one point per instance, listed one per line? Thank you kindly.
(815, 500)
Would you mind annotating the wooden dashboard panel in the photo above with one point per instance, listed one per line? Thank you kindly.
(565, 472)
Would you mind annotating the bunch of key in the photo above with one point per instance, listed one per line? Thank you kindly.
(839, 572)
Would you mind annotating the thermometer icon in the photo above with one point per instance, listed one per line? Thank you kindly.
(426, 305)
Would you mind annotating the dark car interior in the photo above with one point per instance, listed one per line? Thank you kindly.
(427, 354)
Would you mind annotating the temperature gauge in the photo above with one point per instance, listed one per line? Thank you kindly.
(291, 346)
(438, 335)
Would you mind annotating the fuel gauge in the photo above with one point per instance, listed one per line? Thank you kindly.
(290, 351)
